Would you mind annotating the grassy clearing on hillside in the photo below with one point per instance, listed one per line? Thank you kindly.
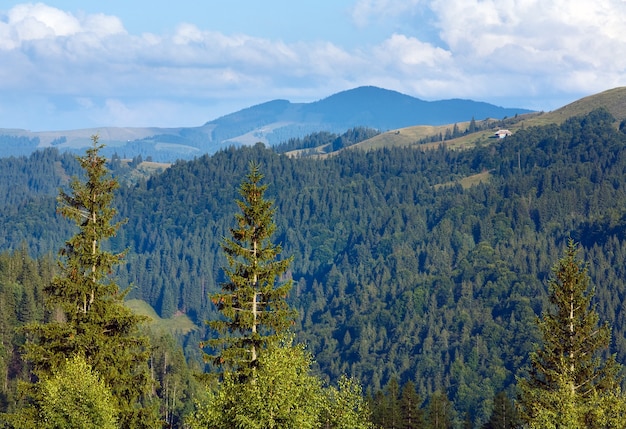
(469, 181)
(148, 168)
(406, 136)
(410, 136)
(143, 171)
(179, 324)
(316, 152)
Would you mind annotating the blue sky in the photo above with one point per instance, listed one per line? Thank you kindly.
(71, 64)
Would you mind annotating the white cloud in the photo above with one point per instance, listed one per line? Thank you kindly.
(408, 51)
(559, 30)
(38, 21)
(483, 49)
(27, 22)
(103, 25)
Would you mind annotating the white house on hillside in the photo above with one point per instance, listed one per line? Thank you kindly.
(502, 133)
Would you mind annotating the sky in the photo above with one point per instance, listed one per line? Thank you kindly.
(71, 64)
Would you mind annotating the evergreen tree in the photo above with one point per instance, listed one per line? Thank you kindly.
(504, 414)
(410, 402)
(254, 307)
(468, 423)
(439, 413)
(267, 381)
(176, 383)
(567, 376)
(392, 408)
(455, 131)
(87, 313)
(378, 406)
(472, 126)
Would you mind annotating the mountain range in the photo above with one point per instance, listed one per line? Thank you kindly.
(272, 122)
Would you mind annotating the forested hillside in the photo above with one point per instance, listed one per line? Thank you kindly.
(400, 272)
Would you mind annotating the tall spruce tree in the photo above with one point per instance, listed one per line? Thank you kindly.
(504, 414)
(439, 412)
(568, 381)
(410, 403)
(256, 314)
(87, 315)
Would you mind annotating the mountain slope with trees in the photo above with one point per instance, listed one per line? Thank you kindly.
(399, 272)
(393, 275)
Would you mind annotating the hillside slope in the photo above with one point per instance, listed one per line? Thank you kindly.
(613, 100)
(427, 266)
(271, 123)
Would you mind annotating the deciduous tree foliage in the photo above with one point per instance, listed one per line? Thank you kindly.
(568, 377)
(345, 407)
(73, 396)
(280, 394)
(254, 306)
(562, 408)
(88, 316)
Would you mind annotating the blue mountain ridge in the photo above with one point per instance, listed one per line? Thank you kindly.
(369, 106)
(272, 122)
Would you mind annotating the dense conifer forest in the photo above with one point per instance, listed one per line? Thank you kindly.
(406, 272)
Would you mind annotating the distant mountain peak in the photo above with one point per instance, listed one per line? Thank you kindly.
(272, 122)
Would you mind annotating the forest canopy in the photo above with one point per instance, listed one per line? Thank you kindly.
(399, 272)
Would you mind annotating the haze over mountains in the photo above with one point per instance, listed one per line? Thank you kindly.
(271, 123)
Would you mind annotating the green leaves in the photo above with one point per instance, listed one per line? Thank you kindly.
(283, 394)
(76, 397)
(72, 396)
(564, 408)
(280, 393)
(345, 407)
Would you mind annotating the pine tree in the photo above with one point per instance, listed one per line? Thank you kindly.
(567, 376)
(254, 306)
(392, 404)
(410, 403)
(267, 381)
(87, 315)
(439, 413)
(472, 126)
(504, 414)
